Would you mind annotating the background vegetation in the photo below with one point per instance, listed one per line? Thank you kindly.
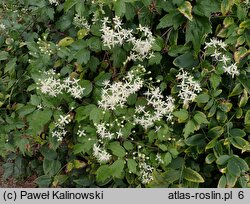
(200, 142)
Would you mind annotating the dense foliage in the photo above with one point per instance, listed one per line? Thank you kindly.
(125, 93)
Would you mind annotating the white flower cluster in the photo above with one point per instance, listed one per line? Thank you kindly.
(219, 45)
(117, 35)
(189, 87)
(102, 131)
(101, 154)
(53, 86)
(56, 2)
(159, 159)
(59, 132)
(162, 108)
(80, 22)
(45, 47)
(146, 171)
(116, 94)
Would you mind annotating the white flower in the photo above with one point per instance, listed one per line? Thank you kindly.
(101, 154)
(81, 133)
(56, 2)
(102, 131)
(81, 22)
(161, 108)
(159, 159)
(224, 59)
(189, 87)
(231, 70)
(53, 86)
(145, 172)
(63, 120)
(116, 94)
(216, 55)
(119, 134)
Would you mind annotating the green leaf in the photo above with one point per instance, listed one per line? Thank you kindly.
(244, 80)
(22, 144)
(51, 167)
(202, 98)
(215, 80)
(205, 8)
(10, 66)
(237, 90)
(196, 32)
(215, 132)
(186, 10)
(103, 173)
(247, 118)
(195, 140)
(155, 59)
(233, 168)
(182, 115)
(132, 165)
(210, 158)
(68, 4)
(226, 6)
(4, 55)
(116, 168)
(222, 182)
(120, 8)
(88, 87)
(231, 180)
(117, 149)
(186, 60)
(193, 176)
(239, 142)
(48, 153)
(236, 132)
(82, 56)
(200, 118)
(128, 145)
(167, 159)
(38, 119)
(43, 181)
(173, 18)
(84, 111)
(223, 159)
(189, 128)
(96, 115)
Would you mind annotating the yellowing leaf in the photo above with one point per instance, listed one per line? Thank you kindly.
(186, 10)
(65, 42)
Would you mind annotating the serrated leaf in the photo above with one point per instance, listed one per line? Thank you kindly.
(96, 115)
(186, 60)
(116, 168)
(103, 173)
(120, 8)
(215, 80)
(167, 159)
(68, 4)
(189, 128)
(193, 176)
(117, 149)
